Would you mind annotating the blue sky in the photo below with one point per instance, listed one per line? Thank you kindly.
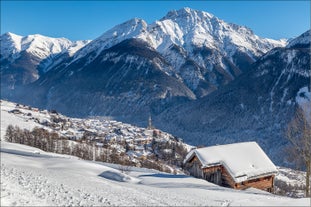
(79, 20)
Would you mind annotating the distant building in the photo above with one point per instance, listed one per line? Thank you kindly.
(238, 166)
(15, 111)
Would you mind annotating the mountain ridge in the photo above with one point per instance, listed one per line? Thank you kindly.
(24, 58)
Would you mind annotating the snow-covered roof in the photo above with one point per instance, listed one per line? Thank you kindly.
(243, 161)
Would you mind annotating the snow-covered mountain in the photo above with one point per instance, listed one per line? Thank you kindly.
(258, 105)
(204, 51)
(135, 69)
(38, 45)
(23, 59)
(186, 28)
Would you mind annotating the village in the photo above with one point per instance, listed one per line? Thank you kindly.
(104, 129)
(138, 144)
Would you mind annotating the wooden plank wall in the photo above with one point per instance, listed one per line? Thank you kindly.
(194, 167)
(226, 179)
(263, 183)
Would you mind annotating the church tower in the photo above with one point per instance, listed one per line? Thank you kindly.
(150, 122)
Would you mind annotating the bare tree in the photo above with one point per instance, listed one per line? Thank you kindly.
(299, 135)
(9, 133)
(124, 164)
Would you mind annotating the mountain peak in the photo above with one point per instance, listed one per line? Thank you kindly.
(10, 34)
(136, 21)
(38, 45)
(40, 36)
(187, 12)
(132, 28)
(10, 44)
(302, 40)
(10, 37)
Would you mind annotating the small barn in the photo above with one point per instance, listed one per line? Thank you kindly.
(238, 166)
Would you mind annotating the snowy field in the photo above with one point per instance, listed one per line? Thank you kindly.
(32, 177)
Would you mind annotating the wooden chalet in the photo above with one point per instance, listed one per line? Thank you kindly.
(238, 166)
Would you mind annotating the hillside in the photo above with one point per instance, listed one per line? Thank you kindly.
(35, 178)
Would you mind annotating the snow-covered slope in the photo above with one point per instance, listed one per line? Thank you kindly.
(8, 118)
(34, 178)
(130, 29)
(290, 182)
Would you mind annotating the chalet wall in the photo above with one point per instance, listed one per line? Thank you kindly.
(263, 183)
(212, 174)
(194, 167)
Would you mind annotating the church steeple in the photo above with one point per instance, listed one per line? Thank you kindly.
(150, 122)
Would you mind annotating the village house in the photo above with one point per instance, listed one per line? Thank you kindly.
(239, 166)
